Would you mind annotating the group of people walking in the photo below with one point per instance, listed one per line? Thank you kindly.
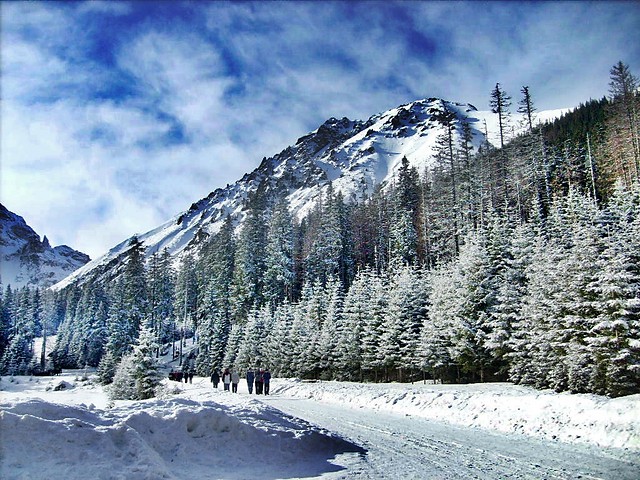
(260, 378)
(179, 375)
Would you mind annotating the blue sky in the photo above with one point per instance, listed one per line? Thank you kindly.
(118, 115)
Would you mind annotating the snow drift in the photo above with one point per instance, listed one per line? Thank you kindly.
(167, 439)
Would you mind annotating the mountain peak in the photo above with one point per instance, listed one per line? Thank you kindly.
(27, 261)
(352, 156)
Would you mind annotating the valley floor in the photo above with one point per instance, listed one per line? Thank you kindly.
(330, 430)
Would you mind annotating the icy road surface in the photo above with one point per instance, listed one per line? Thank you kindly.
(406, 447)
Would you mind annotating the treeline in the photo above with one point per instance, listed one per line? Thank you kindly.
(514, 263)
(553, 306)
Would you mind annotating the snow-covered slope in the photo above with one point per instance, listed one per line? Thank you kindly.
(357, 431)
(25, 260)
(355, 156)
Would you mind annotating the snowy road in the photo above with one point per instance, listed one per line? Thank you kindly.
(405, 447)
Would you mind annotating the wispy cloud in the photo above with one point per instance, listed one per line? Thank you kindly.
(118, 115)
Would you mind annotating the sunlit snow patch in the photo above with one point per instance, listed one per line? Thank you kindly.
(163, 439)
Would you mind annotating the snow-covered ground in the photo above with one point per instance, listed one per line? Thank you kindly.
(354, 431)
(502, 407)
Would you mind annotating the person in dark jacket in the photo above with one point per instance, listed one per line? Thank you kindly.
(215, 378)
(250, 378)
(258, 382)
(266, 379)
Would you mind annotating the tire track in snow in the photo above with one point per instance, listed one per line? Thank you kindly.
(412, 448)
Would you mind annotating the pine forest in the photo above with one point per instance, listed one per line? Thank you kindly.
(519, 263)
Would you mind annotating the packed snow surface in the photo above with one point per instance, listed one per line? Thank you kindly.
(66, 427)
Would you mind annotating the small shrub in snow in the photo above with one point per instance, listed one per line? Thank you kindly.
(164, 392)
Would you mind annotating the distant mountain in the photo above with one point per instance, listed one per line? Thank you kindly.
(354, 156)
(25, 260)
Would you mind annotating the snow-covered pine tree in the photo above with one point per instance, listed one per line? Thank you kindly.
(508, 256)
(435, 337)
(134, 288)
(279, 343)
(576, 298)
(279, 277)
(357, 306)
(324, 258)
(315, 313)
(138, 374)
(403, 235)
(334, 357)
(403, 322)
(19, 352)
(233, 344)
(249, 263)
(186, 302)
(7, 307)
(251, 348)
(613, 340)
(161, 291)
(472, 298)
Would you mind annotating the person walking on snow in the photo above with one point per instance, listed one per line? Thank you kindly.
(266, 379)
(235, 379)
(250, 378)
(215, 378)
(258, 382)
(226, 379)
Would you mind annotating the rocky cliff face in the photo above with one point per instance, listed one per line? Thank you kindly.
(25, 260)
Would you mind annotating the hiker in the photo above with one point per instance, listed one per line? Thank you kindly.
(235, 379)
(258, 382)
(250, 378)
(215, 378)
(266, 379)
(226, 379)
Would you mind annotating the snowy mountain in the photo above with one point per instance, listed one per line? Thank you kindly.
(26, 260)
(354, 156)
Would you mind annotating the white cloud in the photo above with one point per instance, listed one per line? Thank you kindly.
(104, 139)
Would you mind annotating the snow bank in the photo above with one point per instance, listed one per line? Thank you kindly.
(195, 431)
(226, 436)
(590, 419)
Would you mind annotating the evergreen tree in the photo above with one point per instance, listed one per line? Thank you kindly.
(326, 253)
(161, 293)
(616, 368)
(280, 274)
(473, 297)
(500, 103)
(138, 373)
(7, 308)
(403, 232)
(248, 280)
(134, 293)
(280, 343)
(233, 344)
(436, 339)
(251, 347)
(526, 107)
(623, 137)
(336, 339)
(367, 301)
(403, 322)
